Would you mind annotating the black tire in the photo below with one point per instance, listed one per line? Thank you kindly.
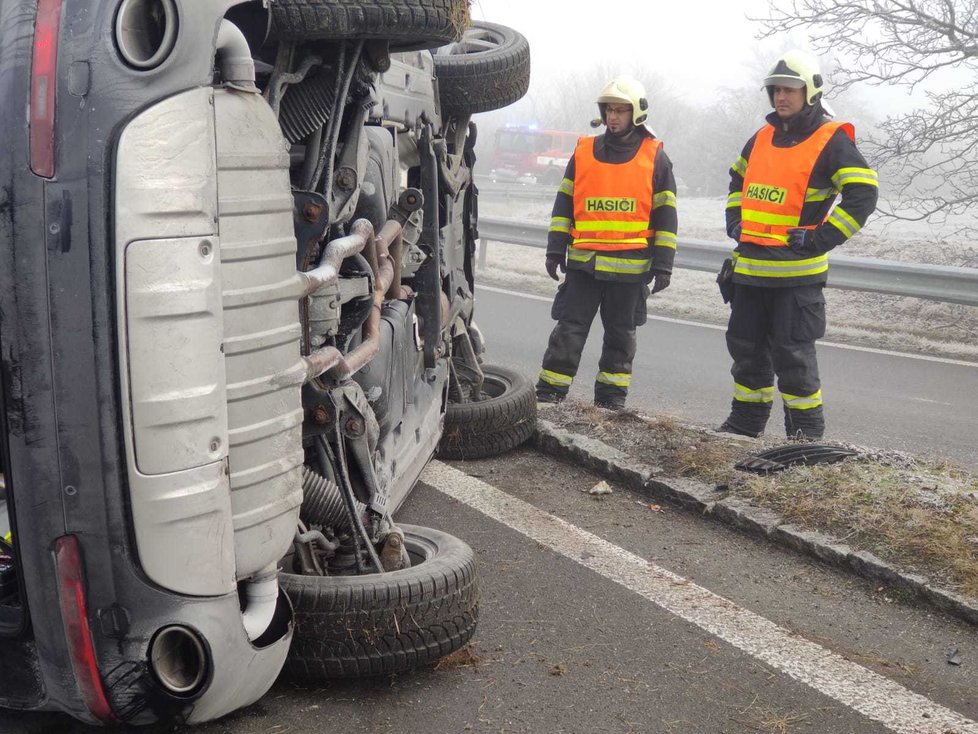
(488, 69)
(405, 23)
(377, 624)
(493, 426)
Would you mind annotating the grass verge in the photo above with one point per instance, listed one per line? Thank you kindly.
(920, 516)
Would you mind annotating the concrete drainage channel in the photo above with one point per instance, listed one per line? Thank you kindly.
(733, 511)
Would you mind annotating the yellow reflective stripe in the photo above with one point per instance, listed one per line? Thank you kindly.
(819, 194)
(855, 175)
(556, 379)
(767, 235)
(665, 239)
(744, 394)
(626, 266)
(581, 256)
(560, 224)
(783, 220)
(782, 268)
(618, 379)
(566, 187)
(739, 166)
(638, 242)
(611, 225)
(663, 198)
(734, 198)
(803, 402)
(843, 221)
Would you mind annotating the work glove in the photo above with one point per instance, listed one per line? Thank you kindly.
(660, 281)
(734, 232)
(802, 241)
(555, 261)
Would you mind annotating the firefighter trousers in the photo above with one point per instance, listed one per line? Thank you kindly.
(578, 299)
(772, 332)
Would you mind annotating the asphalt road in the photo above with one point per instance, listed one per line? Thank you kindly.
(601, 614)
(921, 405)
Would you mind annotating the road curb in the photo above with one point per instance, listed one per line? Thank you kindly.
(737, 512)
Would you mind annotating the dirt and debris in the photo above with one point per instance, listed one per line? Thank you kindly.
(601, 487)
(919, 515)
(464, 657)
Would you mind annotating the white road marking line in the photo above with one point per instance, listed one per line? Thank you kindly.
(858, 688)
(716, 327)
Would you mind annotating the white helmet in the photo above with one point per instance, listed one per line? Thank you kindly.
(796, 69)
(625, 90)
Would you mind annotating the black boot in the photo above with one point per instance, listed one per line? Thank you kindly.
(609, 396)
(746, 419)
(804, 424)
(549, 395)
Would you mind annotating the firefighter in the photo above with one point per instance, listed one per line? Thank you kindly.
(780, 213)
(613, 233)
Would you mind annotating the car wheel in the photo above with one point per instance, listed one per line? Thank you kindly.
(487, 69)
(502, 421)
(407, 24)
(377, 624)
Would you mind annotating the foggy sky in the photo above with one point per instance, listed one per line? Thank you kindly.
(701, 45)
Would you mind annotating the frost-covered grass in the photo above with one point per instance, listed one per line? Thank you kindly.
(884, 322)
(919, 515)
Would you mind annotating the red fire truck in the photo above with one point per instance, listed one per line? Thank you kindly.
(532, 155)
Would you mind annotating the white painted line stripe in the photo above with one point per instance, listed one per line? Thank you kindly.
(716, 327)
(858, 688)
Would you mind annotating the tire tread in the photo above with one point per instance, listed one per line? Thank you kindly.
(430, 22)
(494, 426)
(354, 626)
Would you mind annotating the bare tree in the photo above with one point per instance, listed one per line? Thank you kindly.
(929, 155)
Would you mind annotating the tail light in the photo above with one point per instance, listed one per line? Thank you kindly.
(71, 589)
(44, 82)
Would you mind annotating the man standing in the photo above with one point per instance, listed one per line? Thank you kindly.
(779, 210)
(613, 232)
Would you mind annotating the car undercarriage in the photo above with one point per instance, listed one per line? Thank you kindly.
(250, 325)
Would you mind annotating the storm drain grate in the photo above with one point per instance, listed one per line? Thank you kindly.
(780, 458)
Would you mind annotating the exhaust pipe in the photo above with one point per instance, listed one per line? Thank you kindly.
(146, 32)
(234, 58)
(260, 597)
(179, 660)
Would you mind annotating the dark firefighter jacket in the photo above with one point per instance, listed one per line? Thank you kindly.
(840, 169)
(661, 248)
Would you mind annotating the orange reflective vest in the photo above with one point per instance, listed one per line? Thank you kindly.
(613, 201)
(776, 183)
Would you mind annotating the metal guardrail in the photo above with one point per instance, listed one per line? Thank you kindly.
(516, 192)
(942, 283)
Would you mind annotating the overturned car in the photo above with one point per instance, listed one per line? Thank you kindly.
(237, 321)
